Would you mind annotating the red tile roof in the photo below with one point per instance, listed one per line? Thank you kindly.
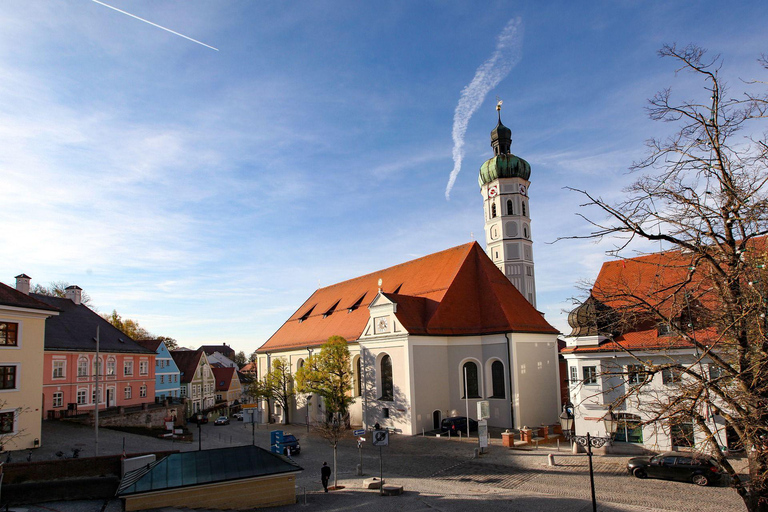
(223, 377)
(642, 340)
(149, 344)
(187, 361)
(458, 291)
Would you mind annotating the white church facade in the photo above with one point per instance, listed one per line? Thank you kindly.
(417, 329)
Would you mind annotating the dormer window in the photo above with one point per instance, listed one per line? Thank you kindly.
(356, 304)
(306, 315)
(663, 329)
(331, 309)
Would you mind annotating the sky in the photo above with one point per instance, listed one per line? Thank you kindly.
(207, 193)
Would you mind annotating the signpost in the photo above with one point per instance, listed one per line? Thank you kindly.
(358, 433)
(483, 413)
(381, 438)
(276, 441)
(360, 441)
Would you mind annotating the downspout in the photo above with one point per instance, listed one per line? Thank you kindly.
(509, 370)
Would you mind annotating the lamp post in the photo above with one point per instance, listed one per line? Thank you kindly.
(199, 432)
(588, 441)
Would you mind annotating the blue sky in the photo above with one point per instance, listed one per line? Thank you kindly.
(206, 194)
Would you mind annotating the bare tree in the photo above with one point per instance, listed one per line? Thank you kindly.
(277, 385)
(701, 195)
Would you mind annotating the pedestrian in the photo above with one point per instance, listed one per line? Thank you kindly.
(325, 475)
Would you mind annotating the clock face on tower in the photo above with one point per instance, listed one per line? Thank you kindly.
(493, 191)
(382, 324)
(522, 189)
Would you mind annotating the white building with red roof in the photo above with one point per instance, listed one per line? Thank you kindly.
(416, 329)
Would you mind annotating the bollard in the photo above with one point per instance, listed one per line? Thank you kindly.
(551, 459)
(359, 470)
(477, 453)
(558, 445)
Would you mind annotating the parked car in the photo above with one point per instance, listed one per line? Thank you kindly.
(221, 420)
(292, 442)
(458, 423)
(193, 419)
(238, 416)
(685, 467)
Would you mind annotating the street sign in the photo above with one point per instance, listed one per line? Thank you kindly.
(380, 438)
(360, 432)
(483, 410)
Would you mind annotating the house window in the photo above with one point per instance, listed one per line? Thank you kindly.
(128, 392)
(630, 429)
(715, 371)
(636, 374)
(9, 334)
(143, 367)
(162, 379)
(58, 399)
(574, 374)
(590, 375)
(143, 392)
(7, 377)
(128, 368)
(82, 367)
(183, 390)
(93, 397)
(671, 376)
(81, 393)
(510, 210)
(58, 369)
(681, 433)
(175, 378)
(100, 366)
(7, 420)
(497, 379)
(387, 384)
(469, 376)
(111, 366)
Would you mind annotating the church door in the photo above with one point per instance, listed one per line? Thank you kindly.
(436, 419)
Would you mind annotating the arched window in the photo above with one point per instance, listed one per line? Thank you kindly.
(497, 379)
(493, 210)
(387, 385)
(471, 385)
(525, 231)
(300, 364)
(510, 209)
(523, 208)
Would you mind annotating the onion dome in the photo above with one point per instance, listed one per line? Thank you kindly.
(583, 319)
(503, 164)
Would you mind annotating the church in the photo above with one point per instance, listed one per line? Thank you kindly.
(431, 337)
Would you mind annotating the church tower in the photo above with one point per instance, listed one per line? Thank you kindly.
(504, 185)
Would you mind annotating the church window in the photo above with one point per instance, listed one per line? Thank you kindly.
(497, 379)
(469, 376)
(525, 231)
(493, 210)
(387, 384)
(523, 208)
(510, 209)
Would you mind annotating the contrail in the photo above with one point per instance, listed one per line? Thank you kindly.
(154, 24)
(488, 75)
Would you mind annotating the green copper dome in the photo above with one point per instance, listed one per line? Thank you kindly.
(504, 166)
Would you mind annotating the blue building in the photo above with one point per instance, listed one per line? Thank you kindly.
(167, 374)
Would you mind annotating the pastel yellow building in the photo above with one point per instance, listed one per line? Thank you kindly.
(22, 339)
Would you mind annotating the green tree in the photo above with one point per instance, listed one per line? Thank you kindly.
(277, 385)
(703, 196)
(329, 376)
(240, 359)
(130, 328)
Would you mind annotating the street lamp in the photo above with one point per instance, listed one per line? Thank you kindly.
(610, 422)
(199, 432)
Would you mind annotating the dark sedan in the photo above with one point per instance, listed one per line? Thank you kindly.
(291, 442)
(458, 424)
(685, 467)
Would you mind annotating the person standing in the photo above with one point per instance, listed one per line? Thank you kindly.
(325, 475)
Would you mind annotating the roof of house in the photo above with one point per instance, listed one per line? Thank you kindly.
(14, 298)
(456, 292)
(640, 340)
(187, 361)
(223, 349)
(205, 467)
(249, 367)
(75, 327)
(223, 377)
(150, 344)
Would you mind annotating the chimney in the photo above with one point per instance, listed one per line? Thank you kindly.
(22, 283)
(73, 293)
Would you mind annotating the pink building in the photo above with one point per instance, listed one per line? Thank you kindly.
(127, 375)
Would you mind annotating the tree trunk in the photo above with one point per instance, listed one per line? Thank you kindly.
(335, 477)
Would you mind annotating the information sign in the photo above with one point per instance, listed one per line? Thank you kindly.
(483, 410)
(360, 432)
(482, 433)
